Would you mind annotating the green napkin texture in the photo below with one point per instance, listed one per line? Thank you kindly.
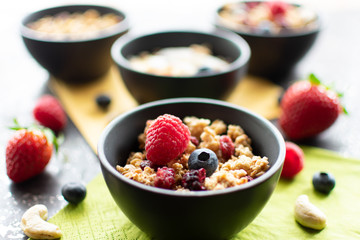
(98, 216)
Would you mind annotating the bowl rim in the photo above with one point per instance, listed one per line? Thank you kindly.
(239, 42)
(317, 29)
(257, 181)
(120, 27)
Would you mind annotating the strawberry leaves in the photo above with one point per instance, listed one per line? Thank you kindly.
(56, 140)
(316, 81)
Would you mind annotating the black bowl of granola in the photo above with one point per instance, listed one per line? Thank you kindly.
(219, 211)
(181, 63)
(279, 34)
(72, 42)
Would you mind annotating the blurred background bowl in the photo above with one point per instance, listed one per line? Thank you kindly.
(273, 55)
(70, 59)
(167, 214)
(146, 87)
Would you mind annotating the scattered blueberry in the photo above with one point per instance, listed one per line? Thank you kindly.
(323, 182)
(103, 101)
(194, 179)
(203, 158)
(74, 192)
(204, 71)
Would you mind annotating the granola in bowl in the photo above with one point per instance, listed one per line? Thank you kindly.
(213, 155)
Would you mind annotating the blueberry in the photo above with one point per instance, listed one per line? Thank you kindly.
(323, 182)
(73, 192)
(204, 71)
(203, 158)
(103, 101)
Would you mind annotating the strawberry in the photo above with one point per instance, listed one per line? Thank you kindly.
(294, 160)
(49, 112)
(308, 108)
(28, 152)
(166, 138)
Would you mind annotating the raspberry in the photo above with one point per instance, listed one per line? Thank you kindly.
(49, 113)
(278, 8)
(194, 179)
(294, 160)
(166, 138)
(227, 147)
(165, 178)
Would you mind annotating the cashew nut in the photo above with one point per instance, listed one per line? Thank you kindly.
(34, 224)
(308, 214)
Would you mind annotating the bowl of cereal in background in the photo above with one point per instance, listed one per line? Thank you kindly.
(181, 63)
(73, 42)
(174, 199)
(279, 34)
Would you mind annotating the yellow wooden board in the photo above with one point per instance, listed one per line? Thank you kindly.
(256, 94)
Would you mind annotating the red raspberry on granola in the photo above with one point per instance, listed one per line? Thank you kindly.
(166, 138)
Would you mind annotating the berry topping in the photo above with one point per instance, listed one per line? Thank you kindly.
(74, 192)
(194, 140)
(103, 101)
(323, 182)
(49, 112)
(294, 160)
(203, 158)
(166, 138)
(147, 163)
(194, 179)
(227, 147)
(165, 178)
(277, 8)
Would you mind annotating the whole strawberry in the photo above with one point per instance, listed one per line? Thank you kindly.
(28, 152)
(308, 108)
(166, 138)
(49, 113)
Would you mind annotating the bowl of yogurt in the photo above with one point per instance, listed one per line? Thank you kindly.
(181, 63)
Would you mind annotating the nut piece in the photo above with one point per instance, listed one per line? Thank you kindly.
(308, 214)
(34, 224)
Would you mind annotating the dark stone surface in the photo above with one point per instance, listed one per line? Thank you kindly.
(334, 58)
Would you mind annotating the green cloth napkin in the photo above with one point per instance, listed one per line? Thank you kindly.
(98, 217)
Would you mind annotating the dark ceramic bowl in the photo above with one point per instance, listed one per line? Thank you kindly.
(274, 56)
(73, 61)
(147, 87)
(167, 214)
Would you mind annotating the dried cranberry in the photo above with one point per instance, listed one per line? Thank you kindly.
(165, 178)
(194, 140)
(227, 146)
(194, 179)
(148, 163)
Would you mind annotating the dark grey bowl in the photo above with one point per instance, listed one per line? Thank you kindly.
(274, 56)
(148, 87)
(73, 61)
(166, 214)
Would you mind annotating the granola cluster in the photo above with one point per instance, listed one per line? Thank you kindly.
(242, 167)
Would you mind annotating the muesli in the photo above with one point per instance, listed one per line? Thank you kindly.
(213, 155)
